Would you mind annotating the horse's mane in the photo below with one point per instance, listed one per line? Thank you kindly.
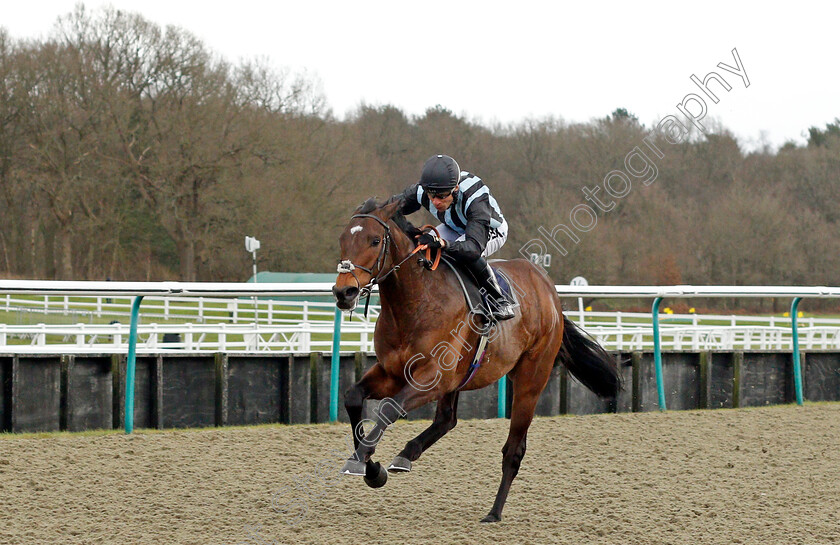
(402, 222)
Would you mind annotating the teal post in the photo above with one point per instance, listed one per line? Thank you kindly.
(130, 364)
(797, 367)
(657, 354)
(334, 366)
(502, 411)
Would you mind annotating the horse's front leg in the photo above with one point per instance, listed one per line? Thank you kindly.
(409, 397)
(375, 384)
(446, 417)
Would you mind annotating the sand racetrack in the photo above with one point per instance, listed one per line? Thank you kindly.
(762, 476)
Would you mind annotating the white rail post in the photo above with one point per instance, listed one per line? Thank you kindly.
(251, 338)
(153, 336)
(306, 337)
(80, 337)
(619, 336)
(117, 336)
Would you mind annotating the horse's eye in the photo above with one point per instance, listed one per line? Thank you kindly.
(376, 241)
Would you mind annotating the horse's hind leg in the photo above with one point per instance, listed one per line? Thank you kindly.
(527, 387)
(513, 451)
(445, 419)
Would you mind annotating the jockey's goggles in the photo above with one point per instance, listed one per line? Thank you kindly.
(438, 194)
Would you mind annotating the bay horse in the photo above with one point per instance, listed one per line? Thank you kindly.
(425, 339)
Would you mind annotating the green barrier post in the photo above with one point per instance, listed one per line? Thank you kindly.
(502, 410)
(657, 354)
(130, 364)
(797, 367)
(334, 366)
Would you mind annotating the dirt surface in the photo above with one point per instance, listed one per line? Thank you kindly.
(759, 476)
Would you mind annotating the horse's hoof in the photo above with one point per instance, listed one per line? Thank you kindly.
(353, 467)
(400, 465)
(378, 476)
(491, 518)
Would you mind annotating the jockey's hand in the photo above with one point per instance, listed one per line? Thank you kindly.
(431, 240)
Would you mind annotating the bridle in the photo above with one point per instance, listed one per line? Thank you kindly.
(347, 266)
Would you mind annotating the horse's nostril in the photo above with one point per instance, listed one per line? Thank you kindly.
(345, 293)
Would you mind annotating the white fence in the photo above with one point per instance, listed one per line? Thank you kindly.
(202, 310)
(207, 324)
(113, 338)
(200, 324)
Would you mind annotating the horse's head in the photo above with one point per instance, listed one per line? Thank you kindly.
(364, 251)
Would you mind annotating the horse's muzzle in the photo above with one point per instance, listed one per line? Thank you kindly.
(346, 297)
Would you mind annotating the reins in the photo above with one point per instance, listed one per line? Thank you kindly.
(347, 266)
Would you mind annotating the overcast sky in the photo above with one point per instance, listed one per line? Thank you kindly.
(503, 62)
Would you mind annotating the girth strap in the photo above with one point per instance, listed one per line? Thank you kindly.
(478, 359)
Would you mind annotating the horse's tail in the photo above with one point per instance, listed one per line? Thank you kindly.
(588, 361)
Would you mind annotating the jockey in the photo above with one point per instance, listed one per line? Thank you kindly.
(472, 225)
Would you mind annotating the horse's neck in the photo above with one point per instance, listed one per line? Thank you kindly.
(406, 292)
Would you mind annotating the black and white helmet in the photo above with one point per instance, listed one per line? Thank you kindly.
(441, 172)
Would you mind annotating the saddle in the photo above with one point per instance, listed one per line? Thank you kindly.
(476, 301)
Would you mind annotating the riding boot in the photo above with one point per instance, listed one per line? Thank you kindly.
(499, 305)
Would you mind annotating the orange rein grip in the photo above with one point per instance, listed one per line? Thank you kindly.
(428, 254)
(437, 257)
(429, 251)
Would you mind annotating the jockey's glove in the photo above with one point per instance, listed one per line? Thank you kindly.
(431, 240)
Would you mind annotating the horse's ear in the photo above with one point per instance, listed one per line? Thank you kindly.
(390, 209)
(366, 207)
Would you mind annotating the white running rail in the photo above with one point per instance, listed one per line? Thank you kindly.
(316, 336)
(207, 317)
(92, 309)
